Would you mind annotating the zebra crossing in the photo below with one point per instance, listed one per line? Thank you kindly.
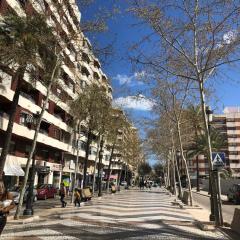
(128, 214)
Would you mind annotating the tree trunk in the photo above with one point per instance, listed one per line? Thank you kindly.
(18, 76)
(89, 141)
(185, 163)
(119, 179)
(167, 183)
(174, 173)
(176, 167)
(109, 165)
(205, 120)
(39, 120)
(179, 180)
(95, 165)
(76, 165)
(100, 168)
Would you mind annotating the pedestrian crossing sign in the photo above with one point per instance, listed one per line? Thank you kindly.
(218, 160)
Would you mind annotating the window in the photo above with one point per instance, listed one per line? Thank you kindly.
(26, 119)
(71, 86)
(47, 105)
(27, 150)
(82, 145)
(45, 154)
(232, 136)
(12, 147)
(231, 128)
(23, 3)
(83, 84)
(57, 133)
(79, 66)
(57, 156)
(59, 91)
(230, 119)
(233, 153)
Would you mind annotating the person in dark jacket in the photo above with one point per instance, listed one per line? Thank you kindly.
(63, 193)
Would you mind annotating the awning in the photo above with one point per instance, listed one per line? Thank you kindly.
(13, 168)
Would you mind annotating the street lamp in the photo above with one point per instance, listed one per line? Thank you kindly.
(209, 113)
(28, 211)
(100, 168)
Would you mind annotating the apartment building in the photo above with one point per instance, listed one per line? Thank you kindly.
(55, 152)
(121, 167)
(228, 125)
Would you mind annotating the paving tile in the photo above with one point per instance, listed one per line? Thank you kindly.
(129, 215)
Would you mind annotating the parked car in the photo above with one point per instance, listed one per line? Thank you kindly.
(15, 191)
(45, 191)
(234, 193)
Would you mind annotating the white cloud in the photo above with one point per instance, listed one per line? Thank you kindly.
(134, 79)
(230, 36)
(123, 79)
(134, 102)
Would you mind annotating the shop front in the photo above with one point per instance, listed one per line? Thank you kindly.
(55, 174)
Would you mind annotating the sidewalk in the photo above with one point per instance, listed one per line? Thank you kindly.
(45, 208)
(130, 214)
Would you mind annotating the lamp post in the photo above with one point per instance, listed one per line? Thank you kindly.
(28, 211)
(197, 161)
(100, 168)
(119, 175)
(209, 113)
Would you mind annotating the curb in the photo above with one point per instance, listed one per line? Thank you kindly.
(22, 220)
(206, 195)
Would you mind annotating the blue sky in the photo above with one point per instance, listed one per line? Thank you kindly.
(126, 81)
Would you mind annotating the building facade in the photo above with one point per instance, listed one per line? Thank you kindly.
(228, 125)
(55, 152)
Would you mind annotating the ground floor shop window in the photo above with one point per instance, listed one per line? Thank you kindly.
(56, 179)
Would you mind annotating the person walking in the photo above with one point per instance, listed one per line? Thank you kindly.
(62, 195)
(77, 197)
(6, 204)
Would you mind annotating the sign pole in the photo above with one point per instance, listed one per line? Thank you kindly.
(219, 198)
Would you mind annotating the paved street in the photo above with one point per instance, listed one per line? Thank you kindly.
(227, 207)
(127, 215)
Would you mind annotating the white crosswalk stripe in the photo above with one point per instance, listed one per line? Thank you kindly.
(126, 215)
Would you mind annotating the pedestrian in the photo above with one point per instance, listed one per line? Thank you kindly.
(62, 194)
(6, 204)
(77, 197)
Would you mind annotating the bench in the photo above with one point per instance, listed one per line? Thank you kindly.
(86, 194)
(113, 189)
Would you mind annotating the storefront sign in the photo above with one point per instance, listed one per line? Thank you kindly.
(43, 169)
(56, 167)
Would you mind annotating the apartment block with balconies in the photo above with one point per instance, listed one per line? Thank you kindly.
(55, 152)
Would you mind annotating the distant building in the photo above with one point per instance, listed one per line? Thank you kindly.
(228, 124)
